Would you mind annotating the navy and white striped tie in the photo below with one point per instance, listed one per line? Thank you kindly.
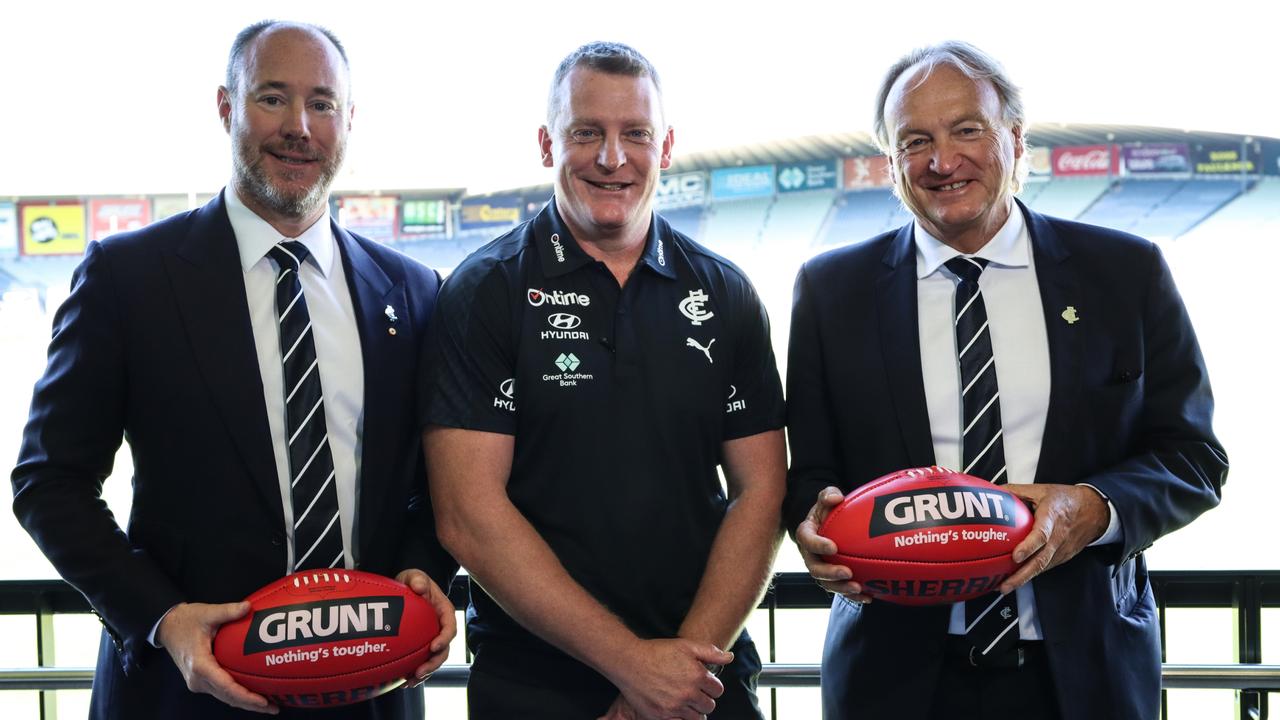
(991, 621)
(317, 531)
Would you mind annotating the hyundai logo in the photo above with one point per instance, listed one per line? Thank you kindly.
(508, 387)
(564, 321)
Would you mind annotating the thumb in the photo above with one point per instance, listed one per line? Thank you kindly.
(712, 655)
(226, 612)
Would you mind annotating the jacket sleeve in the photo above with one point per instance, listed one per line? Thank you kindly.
(76, 424)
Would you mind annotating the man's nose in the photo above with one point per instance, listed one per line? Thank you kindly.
(295, 125)
(612, 154)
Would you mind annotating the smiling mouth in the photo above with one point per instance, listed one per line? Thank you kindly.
(608, 186)
(291, 160)
(952, 186)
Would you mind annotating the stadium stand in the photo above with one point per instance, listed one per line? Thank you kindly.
(687, 220)
(1187, 207)
(735, 224)
(1064, 197)
(1129, 202)
(797, 218)
(863, 214)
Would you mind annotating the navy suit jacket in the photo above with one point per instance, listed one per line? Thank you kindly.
(1130, 412)
(155, 344)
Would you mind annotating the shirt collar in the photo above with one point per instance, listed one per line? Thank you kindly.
(255, 236)
(560, 253)
(1009, 247)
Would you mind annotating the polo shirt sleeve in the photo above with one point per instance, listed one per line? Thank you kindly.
(466, 381)
(756, 404)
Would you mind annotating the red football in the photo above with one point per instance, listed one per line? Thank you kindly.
(322, 638)
(927, 536)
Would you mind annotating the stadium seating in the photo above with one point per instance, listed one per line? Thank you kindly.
(862, 214)
(735, 224)
(1187, 207)
(687, 220)
(1063, 197)
(796, 218)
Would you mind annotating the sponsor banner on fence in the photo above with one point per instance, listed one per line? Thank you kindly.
(1271, 159)
(681, 190)
(743, 182)
(1039, 161)
(163, 206)
(52, 228)
(1082, 160)
(490, 212)
(1156, 158)
(421, 217)
(1233, 159)
(372, 216)
(818, 175)
(108, 216)
(8, 228)
(869, 171)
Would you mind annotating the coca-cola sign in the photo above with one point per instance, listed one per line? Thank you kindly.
(1080, 160)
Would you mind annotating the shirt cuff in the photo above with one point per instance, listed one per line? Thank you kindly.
(1112, 534)
(155, 629)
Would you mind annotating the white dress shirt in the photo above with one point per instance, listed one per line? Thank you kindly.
(337, 340)
(1020, 344)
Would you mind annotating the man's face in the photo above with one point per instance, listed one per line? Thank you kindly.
(608, 146)
(288, 122)
(952, 154)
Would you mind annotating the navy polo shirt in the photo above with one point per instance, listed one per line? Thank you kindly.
(619, 400)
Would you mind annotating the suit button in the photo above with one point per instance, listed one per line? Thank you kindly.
(277, 539)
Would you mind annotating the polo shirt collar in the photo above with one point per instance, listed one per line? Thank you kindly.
(1009, 247)
(561, 254)
(255, 236)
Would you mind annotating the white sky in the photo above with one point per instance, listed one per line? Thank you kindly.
(119, 97)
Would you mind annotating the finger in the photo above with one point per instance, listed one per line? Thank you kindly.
(220, 684)
(711, 655)
(1039, 536)
(711, 687)
(216, 615)
(416, 580)
(703, 705)
(448, 621)
(848, 588)
(830, 572)
(809, 540)
(1034, 565)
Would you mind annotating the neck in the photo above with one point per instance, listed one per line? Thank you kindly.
(620, 251)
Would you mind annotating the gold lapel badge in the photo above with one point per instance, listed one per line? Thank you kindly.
(1070, 315)
(391, 317)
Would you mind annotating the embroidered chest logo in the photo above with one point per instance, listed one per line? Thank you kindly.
(693, 307)
(690, 342)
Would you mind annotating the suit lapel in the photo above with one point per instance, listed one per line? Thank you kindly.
(208, 284)
(372, 292)
(1059, 290)
(897, 308)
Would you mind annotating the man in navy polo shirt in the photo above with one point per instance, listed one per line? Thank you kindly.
(591, 370)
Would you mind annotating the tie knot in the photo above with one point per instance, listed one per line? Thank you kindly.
(289, 254)
(967, 268)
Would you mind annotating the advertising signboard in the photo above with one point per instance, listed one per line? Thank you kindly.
(1085, 160)
(1039, 162)
(681, 190)
(422, 217)
(1227, 159)
(494, 211)
(818, 175)
(869, 171)
(8, 228)
(108, 216)
(371, 216)
(1156, 158)
(742, 182)
(50, 228)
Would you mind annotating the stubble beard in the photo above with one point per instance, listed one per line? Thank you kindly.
(252, 180)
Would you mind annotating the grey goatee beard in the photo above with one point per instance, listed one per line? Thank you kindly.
(253, 181)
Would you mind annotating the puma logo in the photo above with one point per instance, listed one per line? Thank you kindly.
(690, 342)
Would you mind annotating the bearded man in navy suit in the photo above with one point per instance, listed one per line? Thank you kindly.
(1102, 415)
(169, 339)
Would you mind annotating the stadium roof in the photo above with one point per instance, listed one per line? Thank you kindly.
(823, 147)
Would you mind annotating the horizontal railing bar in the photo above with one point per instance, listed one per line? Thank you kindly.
(1215, 677)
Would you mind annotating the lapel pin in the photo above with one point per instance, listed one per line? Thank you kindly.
(1070, 315)
(391, 313)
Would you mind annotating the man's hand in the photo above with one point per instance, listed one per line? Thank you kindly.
(833, 578)
(669, 679)
(420, 583)
(1067, 519)
(187, 633)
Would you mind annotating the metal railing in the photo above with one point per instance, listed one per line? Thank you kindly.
(1244, 592)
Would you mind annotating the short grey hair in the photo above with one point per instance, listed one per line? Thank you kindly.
(976, 65)
(245, 38)
(610, 58)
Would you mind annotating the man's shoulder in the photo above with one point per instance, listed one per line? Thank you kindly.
(1093, 241)
(393, 262)
(705, 261)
